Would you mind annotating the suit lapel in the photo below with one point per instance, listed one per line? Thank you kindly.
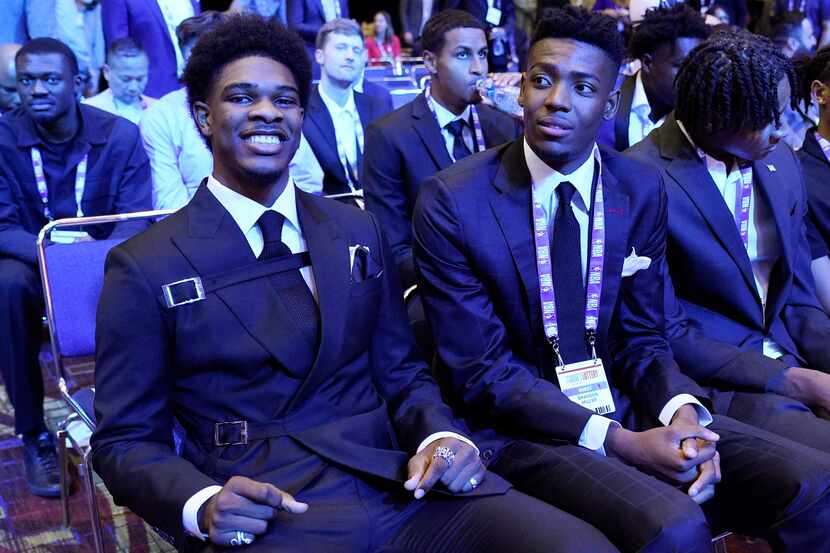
(616, 239)
(691, 175)
(320, 119)
(154, 7)
(214, 245)
(512, 209)
(427, 129)
(623, 119)
(329, 250)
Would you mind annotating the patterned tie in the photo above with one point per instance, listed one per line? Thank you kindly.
(566, 257)
(459, 147)
(290, 285)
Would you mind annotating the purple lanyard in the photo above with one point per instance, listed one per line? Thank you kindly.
(43, 190)
(595, 266)
(742, 200)
(479, 134)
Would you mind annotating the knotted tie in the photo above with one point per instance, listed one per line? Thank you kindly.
(459, 147)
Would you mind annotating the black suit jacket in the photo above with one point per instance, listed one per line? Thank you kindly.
(816, 170)
(307, 16)
(614, 133)
(363, 400)
(713, 278)
(412, 13)
(474, 247)
(318, 129)
(402, 150)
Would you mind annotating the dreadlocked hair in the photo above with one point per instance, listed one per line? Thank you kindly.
(730, 82)
(816, 68)
(665, 25)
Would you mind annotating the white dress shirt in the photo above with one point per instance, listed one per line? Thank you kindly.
(762, 248)
(174, 12)
(545, 180)
(445, 117)
(246, 213)
(348, 129)
(639, 121)
(107, 102)
(331, 9)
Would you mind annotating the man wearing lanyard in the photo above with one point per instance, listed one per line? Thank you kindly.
(126, 72)
(337, 115)
(542, 278)
(437, 128)
(57, 159)
(747, 322)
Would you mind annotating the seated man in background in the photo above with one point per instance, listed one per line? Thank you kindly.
(661, 41)
(542, 275)
(9, 98)
(301, 434)
(747, 322)
(58, 158)
(436, 129)
(337, 116)
(126, 72)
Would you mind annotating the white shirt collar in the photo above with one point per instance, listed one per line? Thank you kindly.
(246, 212)
(639, 102)
(445, 116)
(709, 160)
(333, 107)
(543, 175)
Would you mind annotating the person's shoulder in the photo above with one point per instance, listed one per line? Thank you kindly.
(346, 215)
(154, 242)
(113, 126)
(498, 117)
(647, 150)
(634, 175)
(9, 123)
(396, 121)
(475, 173)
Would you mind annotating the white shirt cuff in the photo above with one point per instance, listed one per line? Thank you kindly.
(593, 435)
(438, 435)
(190, 513)
(678, 401)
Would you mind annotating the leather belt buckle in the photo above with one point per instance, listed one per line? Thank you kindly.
(220, 435)
(182, 292)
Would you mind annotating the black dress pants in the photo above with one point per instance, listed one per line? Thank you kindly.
(21, 306)
(771, 487)
(348, 514)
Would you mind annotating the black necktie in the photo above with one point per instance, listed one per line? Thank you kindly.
(459, 147)
(566, 258)
(290, 285)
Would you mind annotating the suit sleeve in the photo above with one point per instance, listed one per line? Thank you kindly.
(132, 446)
(384, 187)
(15, 241)
(115, 20)
(713, 362)
(402, 377)
(296, 12)
(638, 345)
(135, 186)
(472, 341)
(803, 316)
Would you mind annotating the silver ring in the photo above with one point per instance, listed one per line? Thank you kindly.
(241, 538)
(473, 482)
(445, 453)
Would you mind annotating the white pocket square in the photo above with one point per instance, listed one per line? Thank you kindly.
(634, 263)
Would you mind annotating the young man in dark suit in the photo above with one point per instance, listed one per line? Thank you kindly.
(269, 324)
(737, 253)
(524, 325)
(433, 131)
(661, 41)
(337, 115)
(53, 151)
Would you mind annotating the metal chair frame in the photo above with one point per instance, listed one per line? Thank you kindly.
(77, 413)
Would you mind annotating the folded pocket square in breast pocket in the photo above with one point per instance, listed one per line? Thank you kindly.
(363, 265)
(634, 263)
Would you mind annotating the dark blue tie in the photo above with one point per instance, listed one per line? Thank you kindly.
(290, 286)
(566, 258)
(459, 147)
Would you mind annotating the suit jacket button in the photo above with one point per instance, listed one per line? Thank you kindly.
(487, 454)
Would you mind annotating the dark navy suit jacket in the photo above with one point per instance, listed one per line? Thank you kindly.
(712, 275)
(307, 16)
(474, 248)
(364, 400)
(143, 21)
(816, 171)
(318, 129)
(403, 149)
(614, 133)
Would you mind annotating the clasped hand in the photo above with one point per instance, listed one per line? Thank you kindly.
(425, 470)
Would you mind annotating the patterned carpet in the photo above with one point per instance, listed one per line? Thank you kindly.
(32, 524)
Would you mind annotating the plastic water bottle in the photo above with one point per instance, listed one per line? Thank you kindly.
(503, 98)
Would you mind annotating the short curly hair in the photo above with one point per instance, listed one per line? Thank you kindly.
(436, 28)
(665, 25)
(582, 25)
(730, 82)
(239, 36)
